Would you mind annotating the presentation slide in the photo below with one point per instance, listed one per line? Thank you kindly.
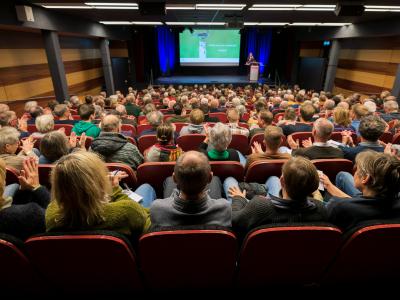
(209, 47)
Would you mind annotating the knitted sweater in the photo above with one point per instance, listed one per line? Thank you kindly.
(121, 214)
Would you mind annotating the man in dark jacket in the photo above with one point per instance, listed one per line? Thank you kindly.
(113, 146)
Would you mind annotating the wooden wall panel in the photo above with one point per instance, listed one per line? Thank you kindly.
(21, 57)
(79, 54)
(310, 53)
(119, 53)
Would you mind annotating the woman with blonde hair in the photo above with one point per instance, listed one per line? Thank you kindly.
(342, 120)
(85, 196)
(22, 207)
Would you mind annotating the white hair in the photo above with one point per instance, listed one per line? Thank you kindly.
(44, 123)
(220, 136)
(8, 135)
(391, 105)
(371, 106)
(29, 105)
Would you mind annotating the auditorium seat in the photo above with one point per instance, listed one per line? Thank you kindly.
(259, 138)
(131, 180)
(11, 175)
(224, 169)
(190, 141)
(93, 261)
(154, 173)
(330, 167)
(32, 128)
(392, 123)
(220, 115)
(243, 125)
(369, 255)
(188, 259)
(88, 141)
(129, 128)
(17, 274)
(246, 116)
(141, 128)
(278, 117)
(76, 117)
(386, 137)
(179, 125)
(285, 255)
(44, 174)
(131, 140)
(260, 171)
(140, 119)
(337, 136)
(396, 139)
(240, 142)
(301, 136)
(67, 127)
(146, 141)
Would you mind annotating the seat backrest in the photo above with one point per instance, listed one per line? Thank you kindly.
(259, 138)
(220, 115)
(88, 141)
(278, 117)
(179, 125)
(301, 136)
(154, 173)
(370, 254)
(131, 180)
(224, 169)
(16, 270)
(188, 259)
(396, 139)
(330, 167)
(67, 127)
(32, 128)
(85, 262)
(386, 137)
(44, 174)
(146, 141)
(337, 136)
(129, 128)
(76, 117)
(287, 255)
(11, 175)
(260, 171)
(240, 142)
(190, 141)
(141, 128)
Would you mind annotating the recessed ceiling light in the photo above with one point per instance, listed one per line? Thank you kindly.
(220, 6)
(110, 4)
(116, 22)
(115, 7)
(181, 7)
(146, 23)
(180, 23)
(68, 6)
(210, 23)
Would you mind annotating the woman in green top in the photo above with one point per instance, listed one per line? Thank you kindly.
(85, 197)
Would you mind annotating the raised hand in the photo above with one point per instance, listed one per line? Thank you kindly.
(29, 175)
(307, 143)
(235, 191)
(27, 145)
(72, 140)
(292, 144)
(115, 177)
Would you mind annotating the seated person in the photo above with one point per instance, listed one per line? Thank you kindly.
(371, 128)
(372, 193)
(341, 120)
(357, 112)
(125, 118)
(306, 114)
(113, 146)
(63, 114)
(264, 119)
(131, 108)
(179, 114)
(206, 110)
(9, 143)
(87, 114)
(148, 108)
(44, 124)
(85, 197)
(34, 113)
(165, 148)
(191, 204)
(155, 119)
(233, 122)
(298, 181)
(273, 137)
(196, 123)
(219, 137)
(254, 115)
(321, 133)
(56, 144)
(22, 212)
(391, 109)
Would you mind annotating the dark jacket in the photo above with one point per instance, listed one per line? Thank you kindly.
(351, 152)
(115, 148)
(132, 109)
(299, 127)
(318, 152)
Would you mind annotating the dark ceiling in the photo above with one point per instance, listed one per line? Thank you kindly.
(221, 15)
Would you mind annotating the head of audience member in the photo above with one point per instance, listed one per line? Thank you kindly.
(344, 104)
(391, 107)
(299, 179)
(336, 99)
(86, 112)
(155, 118)
(8, 118)
(322, 130)
(329, 105)
(130, 99)
(52, 104)
(75, 102)
(384, 94)
(54, 145)
(36, 112)
(341, 116)
(121, 110)
(307, 112)
(165, 134)
(148, 108)
(214, 103)
(371, 128)
(290, 114)
(284, 105)
(233, 115)
(378, 175)
(192, 173)
(358, 111)
(4, 107)
(107, 103)
(62, 112)
(259, 106)
(220, 136)
(265, 118)
(88, 99)
(29, 106)
(196, 116)
(390, 98)
(371, 106)
(3, 173)
(9, 140)
(111, 123)
(103, 93)
(178, 108)
(84, 175)
(44, 123)
(299, 98)
(273, 137)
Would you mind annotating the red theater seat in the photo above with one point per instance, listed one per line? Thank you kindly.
(131, 180)
(240, 142)
(129, 128)
(220, 115)
(301, 136)
(141, 128)
(330, 167)
(154, 173)
(190, 141)
(260, 171)
(224, 169)
(44, 174)
(146, 141)
(67, 127)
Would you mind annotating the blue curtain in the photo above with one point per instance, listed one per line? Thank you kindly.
(166, 49)
(259, 43)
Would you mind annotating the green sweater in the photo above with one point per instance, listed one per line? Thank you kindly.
(89, 128)
(121, 215)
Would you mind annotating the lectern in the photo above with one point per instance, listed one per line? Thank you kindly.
(254, 71)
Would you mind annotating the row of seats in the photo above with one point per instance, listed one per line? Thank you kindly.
(154, 173)
(289, 255)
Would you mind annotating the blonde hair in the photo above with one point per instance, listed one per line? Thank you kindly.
(341, 116)
(81, 188)
(3, 173)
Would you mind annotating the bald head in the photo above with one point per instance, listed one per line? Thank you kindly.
(323, 129)
(192, 173)
(111, 123)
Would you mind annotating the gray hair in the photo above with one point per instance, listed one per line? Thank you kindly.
(344, 105)
(220, 136)
(323, 128)
(44, 123)
(74, 100)
(8, 135)
(121, 109)
(370, 105)
(155, 118)
(329, 104)
(110, 123)
(29, 105)
(391, 105)
(60, 109)
(241, 109)
(236, 102)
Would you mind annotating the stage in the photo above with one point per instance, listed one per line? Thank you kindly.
(217, 79)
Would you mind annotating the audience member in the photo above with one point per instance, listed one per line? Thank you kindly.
(357, 112)
(44, 124)
(86, 112)
(179, 114)
(264, 119)
(306, 114)
(63, 114)
(233, 122)
(196, 123)
(391, 109)
(341, 120)
(155, 119)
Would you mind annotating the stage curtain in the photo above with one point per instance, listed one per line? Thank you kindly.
(166, 50)
(258, 41)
